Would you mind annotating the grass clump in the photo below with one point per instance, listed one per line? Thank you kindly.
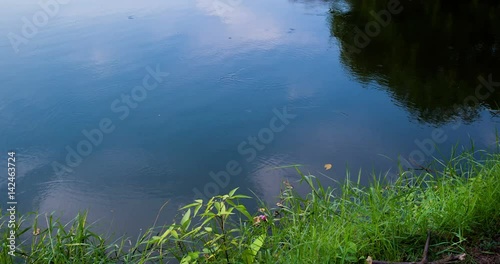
(390, 221)
(458, 205)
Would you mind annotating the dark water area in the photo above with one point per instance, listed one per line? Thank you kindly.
(430, 56)
(120, 106)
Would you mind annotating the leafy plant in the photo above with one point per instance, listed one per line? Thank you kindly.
(216, 235)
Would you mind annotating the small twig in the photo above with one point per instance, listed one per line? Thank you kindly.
(426, 248)
(421, 167)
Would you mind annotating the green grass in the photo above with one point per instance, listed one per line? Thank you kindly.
(459, 206)
(390, 222)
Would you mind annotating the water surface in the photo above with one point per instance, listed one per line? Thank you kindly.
(230, 70)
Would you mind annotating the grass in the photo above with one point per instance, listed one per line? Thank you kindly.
(458, 205)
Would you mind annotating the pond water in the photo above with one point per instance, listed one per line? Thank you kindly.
(120, 106)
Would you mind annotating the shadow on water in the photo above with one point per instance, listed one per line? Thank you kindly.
(429, 56)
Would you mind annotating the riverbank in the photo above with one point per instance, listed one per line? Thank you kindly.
(455, 210)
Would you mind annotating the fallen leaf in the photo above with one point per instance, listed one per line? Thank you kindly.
(328, 166)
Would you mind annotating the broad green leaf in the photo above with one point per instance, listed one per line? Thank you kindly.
(196, 209)
(186, 259)
(196, 203)
(230, 202)
(186, 219)
(208, 219)
(154, 239)
(223, 207)
(231, 193)
(225, 213)
(208, 214)
(194, 231)
(169, 230)
(174, 234)
(241, 196)
(257, 244)
(250, 254)
(191, 257)
(242, 209)
(217, 206)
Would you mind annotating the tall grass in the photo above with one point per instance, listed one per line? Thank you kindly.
(342, 223)
(390, 222)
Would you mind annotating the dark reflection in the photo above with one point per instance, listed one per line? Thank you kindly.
(429, 54)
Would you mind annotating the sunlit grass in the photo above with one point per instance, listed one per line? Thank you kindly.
(343, 223)
(390, 222)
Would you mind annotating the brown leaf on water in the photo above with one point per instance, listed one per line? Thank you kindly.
(328, 166)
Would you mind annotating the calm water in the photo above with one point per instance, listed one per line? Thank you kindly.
(234, 67)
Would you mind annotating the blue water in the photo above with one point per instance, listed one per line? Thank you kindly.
(228, 74)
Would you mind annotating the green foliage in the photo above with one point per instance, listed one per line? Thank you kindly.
(250, 253)
(387, 221)
(218, 233)
(57, 243)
